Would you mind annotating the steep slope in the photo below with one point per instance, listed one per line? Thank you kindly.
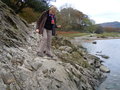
(13, 30)
(21, 69)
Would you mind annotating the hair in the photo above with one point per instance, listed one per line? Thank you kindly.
(53, 8)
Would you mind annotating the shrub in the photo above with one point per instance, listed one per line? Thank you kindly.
(29, 15)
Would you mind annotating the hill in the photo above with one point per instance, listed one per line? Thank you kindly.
(111, 24)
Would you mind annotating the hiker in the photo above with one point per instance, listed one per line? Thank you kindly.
(46, 25)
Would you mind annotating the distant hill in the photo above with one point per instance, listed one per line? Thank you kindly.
(111, 24)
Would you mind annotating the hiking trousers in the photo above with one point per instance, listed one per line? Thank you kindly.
(45, 43)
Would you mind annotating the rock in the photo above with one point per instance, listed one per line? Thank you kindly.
(7, 77)
(13, 28)
(36, 63)
(94, 42)
(99, 52)
(45, 71)
(2, 85)
(104, 69)
(97, 63)
(75, 54)
(103, 56)
(65, 48)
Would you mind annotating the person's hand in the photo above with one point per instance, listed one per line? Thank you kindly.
(59, 26)
(37, 30)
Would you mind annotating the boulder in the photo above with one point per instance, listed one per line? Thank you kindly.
(65, 48)
(94, 42)
(104, 69)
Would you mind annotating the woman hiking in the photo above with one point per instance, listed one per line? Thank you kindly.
(46, 25)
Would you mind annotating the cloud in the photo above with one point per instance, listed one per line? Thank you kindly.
(98, 10)
(106, 17)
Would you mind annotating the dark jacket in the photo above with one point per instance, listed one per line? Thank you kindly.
(41, 23)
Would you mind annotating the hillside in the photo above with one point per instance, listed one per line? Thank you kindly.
(111, 24)
(22, 69)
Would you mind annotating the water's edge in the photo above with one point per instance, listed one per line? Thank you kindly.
(111, 49)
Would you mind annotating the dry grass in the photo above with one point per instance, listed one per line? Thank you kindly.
(71, 34)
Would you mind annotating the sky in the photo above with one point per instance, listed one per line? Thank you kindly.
(99, 10)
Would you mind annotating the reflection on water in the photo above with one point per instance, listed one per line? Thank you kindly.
(110, 48)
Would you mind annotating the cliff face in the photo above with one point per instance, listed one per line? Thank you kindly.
(13, 30)
(21, 69)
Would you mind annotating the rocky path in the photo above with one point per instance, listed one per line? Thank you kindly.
(21, 69)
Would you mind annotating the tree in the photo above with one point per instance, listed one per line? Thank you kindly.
(99, 29)
(18, 5)
(37, 5)
(72, 19)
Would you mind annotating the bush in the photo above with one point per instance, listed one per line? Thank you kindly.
(29, 15)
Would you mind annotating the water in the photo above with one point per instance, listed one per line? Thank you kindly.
(109, 48)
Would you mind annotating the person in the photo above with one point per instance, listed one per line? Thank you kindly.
(46, 25)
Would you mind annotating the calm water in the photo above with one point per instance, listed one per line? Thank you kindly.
(109, 48)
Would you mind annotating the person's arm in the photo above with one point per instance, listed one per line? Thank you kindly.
(37, 25)
(57, 26)
(39, 21)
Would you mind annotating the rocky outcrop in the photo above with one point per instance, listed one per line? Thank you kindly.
(104, 69)
(21, 69)
(13, 30)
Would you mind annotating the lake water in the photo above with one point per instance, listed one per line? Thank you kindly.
(109, 48)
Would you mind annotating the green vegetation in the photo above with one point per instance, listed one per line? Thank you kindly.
(112, 34)
(111, 29)
(75, 56)
(18, 5)
(78, 34)
(68, 17)
(29, 15)
(30, 10)
(74, 34)
(73, 19)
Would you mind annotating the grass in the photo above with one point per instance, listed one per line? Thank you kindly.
(71, 34)
(111, 34)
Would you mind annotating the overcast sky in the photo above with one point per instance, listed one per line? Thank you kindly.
(98, 10)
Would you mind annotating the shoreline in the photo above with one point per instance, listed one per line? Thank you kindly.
(93, 61)
(79, 40)
(89, 39)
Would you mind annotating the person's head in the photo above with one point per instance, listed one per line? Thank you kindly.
(52, 10)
